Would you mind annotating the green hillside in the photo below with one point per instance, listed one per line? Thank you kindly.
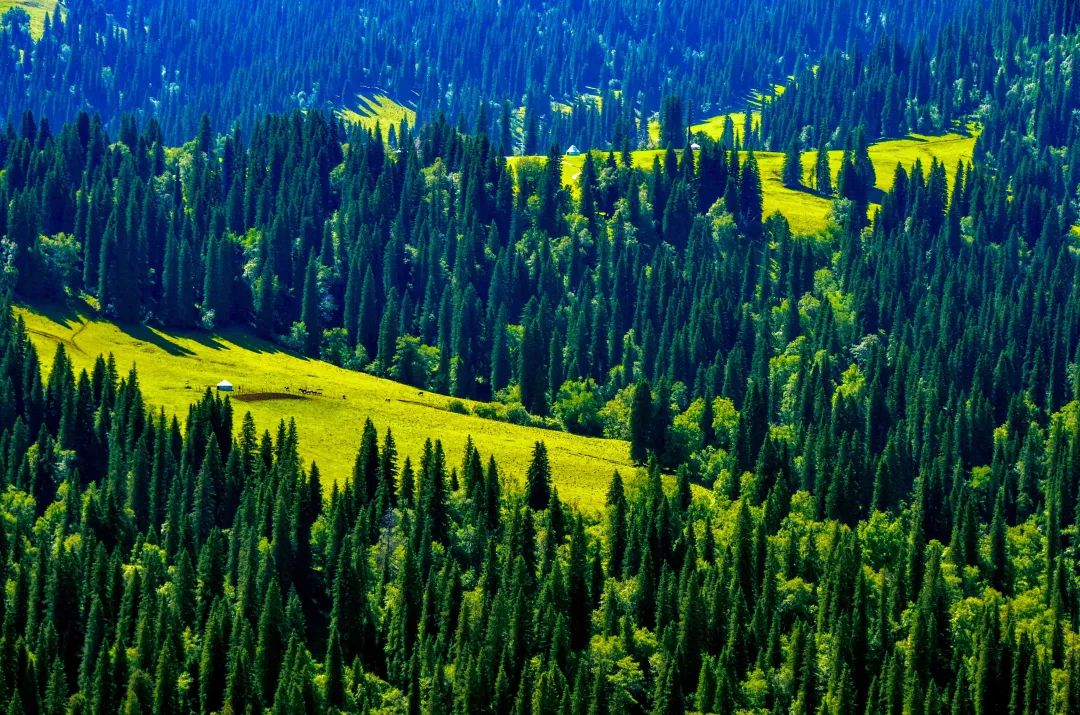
(36, 9)
(174, 370)
(808, 212)
(379, 109)
(805, 210)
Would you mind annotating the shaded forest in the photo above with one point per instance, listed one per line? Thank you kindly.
(607, 63)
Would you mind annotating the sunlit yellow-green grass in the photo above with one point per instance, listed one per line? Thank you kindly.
(808, 212)
(805, 210)
(36, 9)
(572, 165)
(175, 368)
(380, 110)
(713, 127)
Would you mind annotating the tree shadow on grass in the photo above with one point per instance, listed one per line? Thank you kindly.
(246, 341)
(231, 337)
(145, 335)
(76, 313)
(211, 341)
(252, 343)
(63, 314)
(207, 340)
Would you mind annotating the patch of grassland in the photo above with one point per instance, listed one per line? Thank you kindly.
(654, 132)
(562, 108)
(175, 368)
(572, 165)
(36, 9)
(380, 110)
(713, 127)
(949, 149)
(805, 210)
(594, 99)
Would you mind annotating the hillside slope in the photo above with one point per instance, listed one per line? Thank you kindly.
(174, 370)
(805, 210)
(36, 9)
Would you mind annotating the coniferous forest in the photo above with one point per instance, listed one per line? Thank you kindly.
(857, 452)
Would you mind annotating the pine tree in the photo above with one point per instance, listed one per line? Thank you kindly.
(165, 696)
(641, 423)
(264, 307)
(270, 651)
(672, 123)
(309, 314)
(750, 197)
(822, 171)
(532, 368)
(998, 565)
(433, 498)
(791, 175)
(617, 526)
(169, 311)
(500, 353)
(538, 479)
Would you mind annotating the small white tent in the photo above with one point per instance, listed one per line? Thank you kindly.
(224, 386)
(573, 151)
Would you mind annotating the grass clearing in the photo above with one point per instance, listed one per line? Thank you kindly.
(378, 109)
(36, 9)
(805, 210)
(808, 212)
(175, 368)
(713, 127)
(572, 165)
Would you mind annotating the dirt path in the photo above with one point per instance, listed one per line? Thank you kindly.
(68, 342)
(263, 396)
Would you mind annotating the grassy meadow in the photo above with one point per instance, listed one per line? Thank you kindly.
(378, 109)
(713, 127)
(808, 212)
(805, 210)
(37, 9)
(174, 370)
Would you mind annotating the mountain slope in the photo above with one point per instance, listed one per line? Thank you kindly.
(175, 368)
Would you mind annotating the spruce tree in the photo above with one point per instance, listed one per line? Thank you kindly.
(538, 479)
(309, 314)
(641, 423)
(791, 174)
(823, 182)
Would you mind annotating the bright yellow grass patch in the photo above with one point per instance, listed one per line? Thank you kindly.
(713, 127)
(380, 110)
(37, 9)
(174, 369)
(806, 211)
